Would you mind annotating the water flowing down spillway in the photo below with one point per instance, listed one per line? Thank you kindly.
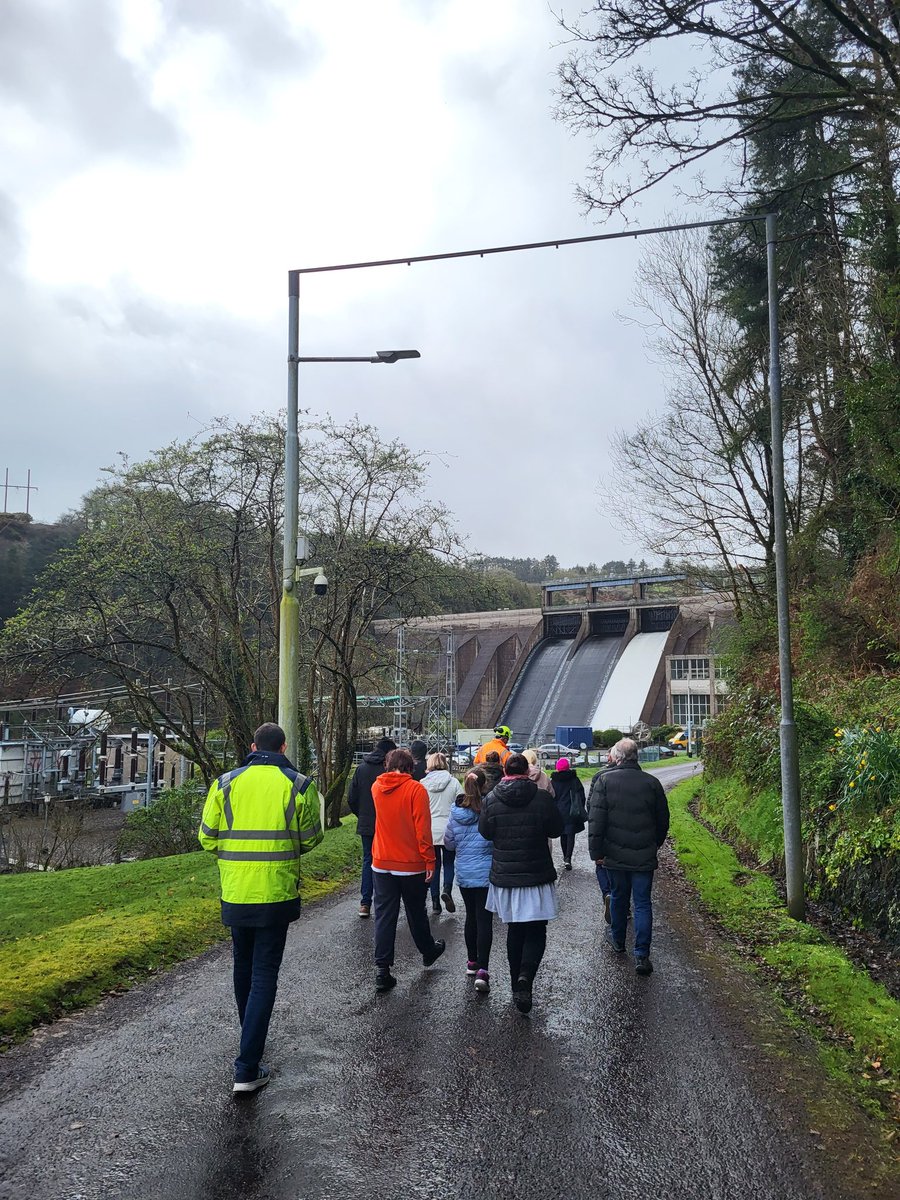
(538, 678)
(626, 693)
(557, 690)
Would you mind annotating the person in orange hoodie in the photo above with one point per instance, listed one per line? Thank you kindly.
(402, 864)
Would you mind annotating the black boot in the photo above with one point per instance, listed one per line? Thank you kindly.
(522, 994)
(384, 980)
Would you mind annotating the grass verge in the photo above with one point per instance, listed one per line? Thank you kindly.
(813, 974)
(588, 773)
(69, 937)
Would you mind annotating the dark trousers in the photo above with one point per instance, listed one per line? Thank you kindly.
(628, 887)
(365, 891)
(567, 843)
(448, 858)
(525, 945)
(257, 958)
(389, 891)
(479, 926)
(603, 880)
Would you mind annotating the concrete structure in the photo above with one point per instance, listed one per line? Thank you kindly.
(551, 666)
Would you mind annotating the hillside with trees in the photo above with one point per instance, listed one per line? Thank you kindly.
(800, 100)
(26, 549)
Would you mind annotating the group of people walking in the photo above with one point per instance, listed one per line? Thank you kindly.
(492, 833)
(422, 830)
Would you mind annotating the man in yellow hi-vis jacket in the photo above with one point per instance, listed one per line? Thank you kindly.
(258, 820)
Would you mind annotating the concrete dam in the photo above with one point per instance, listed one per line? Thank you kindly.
(594, 654)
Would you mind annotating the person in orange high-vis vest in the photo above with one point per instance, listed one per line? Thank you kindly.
(498, 743)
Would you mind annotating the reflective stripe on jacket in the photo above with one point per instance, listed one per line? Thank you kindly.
(259, 819)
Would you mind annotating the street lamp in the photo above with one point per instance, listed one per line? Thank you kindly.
(289, 615)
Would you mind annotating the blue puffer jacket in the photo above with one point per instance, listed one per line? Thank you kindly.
(473, 852)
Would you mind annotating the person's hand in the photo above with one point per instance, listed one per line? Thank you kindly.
(429, 875)
(600, 861)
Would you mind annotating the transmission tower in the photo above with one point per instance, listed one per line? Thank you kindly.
(400, 717)
(441, 711)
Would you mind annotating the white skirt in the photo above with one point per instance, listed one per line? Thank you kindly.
(537, 903)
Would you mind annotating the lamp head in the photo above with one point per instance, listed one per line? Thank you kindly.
(391, 356)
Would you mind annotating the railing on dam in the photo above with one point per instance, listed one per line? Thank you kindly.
(638, 591)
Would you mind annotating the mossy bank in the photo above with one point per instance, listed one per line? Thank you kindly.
(69, 937)
(860, 1018)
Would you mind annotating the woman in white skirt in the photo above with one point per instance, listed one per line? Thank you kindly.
(519, 818)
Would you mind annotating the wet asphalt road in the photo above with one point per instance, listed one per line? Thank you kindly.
(615, 1088)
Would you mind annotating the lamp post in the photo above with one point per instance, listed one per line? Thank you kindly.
(289, 614)
(790, 769)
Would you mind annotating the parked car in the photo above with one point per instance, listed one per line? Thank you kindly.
(551, 751)
(515, 747)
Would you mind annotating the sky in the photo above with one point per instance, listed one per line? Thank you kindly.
(163, 163)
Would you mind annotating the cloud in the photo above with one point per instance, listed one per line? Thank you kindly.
(61, 64)
(138, 298)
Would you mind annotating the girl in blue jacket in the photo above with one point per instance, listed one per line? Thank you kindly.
(473, 866)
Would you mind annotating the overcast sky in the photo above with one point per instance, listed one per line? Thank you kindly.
(164, 162)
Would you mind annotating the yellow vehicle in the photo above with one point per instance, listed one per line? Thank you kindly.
(679, 742)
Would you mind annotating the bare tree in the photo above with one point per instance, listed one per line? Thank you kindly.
(381, 540)
(836, 61)
(697, 483)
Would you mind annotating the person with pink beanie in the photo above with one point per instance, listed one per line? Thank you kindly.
(568, 791)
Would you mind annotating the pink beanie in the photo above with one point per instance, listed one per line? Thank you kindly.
(562, 764)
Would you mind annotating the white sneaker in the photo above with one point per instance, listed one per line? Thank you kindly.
(253, 1085)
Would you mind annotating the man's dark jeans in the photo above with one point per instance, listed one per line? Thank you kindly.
(603, 880)
(365, 893)
(257, 958)
(448, 858)
(389, 890)
(628, 887)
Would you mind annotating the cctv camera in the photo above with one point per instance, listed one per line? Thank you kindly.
(320, 584)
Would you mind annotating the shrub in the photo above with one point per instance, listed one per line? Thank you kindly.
(868, 763)
(662, 733)
(604, 738)
(168, 826)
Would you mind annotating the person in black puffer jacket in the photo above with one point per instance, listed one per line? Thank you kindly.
(628, 820)
(361, 804)
(519, 818)
(568, 791)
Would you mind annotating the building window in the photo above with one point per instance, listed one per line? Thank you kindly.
(690, 668)
(690, 709)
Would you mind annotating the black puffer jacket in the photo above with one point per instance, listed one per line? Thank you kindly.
(518, 817)
(359, 798)
(628, 818)
(566, 786)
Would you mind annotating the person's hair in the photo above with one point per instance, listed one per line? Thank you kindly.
(269, 736)
(625, 750)
(400, 760)
(516, 764)
(532, 757)
(473, 785)
(493, 758)
(436, 762)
